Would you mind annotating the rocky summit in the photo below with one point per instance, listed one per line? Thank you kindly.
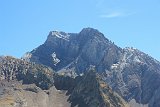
(77, 52)
(134, 75)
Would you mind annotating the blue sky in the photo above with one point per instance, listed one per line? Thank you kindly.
(25, 24)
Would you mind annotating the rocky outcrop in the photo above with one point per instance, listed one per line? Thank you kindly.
(92, 91)
(27, 72)
(88, 90)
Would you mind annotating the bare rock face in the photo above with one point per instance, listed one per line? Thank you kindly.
(131, 73)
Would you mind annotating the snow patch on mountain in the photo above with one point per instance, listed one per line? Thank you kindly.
(114, 66)
(60, 35)
(55, 59)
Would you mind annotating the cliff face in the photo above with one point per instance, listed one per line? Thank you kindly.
(130, 72)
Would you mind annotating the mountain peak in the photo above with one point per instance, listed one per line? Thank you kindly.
(90, 32)
(89, 29)
(89, 45)
(130, 72)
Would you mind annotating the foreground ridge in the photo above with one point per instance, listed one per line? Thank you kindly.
(28, 84)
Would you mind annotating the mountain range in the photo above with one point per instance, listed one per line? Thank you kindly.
(82, 69)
